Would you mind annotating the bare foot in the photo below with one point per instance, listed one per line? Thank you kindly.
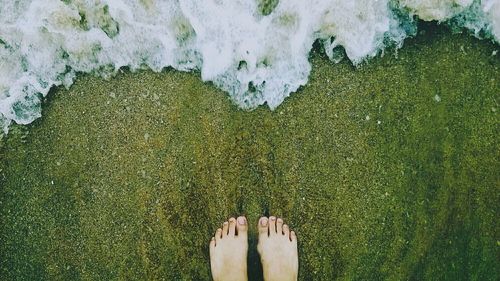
(228, 251)
(278, 250)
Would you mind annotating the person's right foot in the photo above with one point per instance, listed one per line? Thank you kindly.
(278, 250)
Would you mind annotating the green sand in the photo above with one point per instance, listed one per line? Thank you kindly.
(389, 171)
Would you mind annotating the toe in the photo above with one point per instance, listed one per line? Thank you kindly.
(286, 231)
(241, 226)
(279, 226)
(212, 248)
(212, 244)
(232, 227)
(263, 226)
(225, 228)
(272, 225)
(293, 236)
(218, 235)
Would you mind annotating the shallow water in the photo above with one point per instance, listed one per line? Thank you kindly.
(387, 171)
(255, 50)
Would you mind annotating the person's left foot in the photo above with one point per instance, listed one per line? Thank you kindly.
(228, 251)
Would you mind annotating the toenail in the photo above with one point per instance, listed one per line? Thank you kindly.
(263, 222)
(272, 218)
(241, 220)
(280, 220)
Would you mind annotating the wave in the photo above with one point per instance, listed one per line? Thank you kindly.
(256, 51)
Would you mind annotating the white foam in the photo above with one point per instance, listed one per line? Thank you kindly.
(258, 59)
(436, 9)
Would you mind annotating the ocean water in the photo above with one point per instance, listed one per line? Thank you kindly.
(256, 51)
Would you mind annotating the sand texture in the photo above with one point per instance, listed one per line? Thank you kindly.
(386, 171)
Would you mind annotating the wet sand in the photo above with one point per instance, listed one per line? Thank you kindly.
(388, 171)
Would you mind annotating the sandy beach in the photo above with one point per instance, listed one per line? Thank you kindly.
(385, 171)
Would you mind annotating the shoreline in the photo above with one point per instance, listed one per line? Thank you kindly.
(128, 178)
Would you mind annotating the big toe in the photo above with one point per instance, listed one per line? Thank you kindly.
(242, 226)
(263, 226)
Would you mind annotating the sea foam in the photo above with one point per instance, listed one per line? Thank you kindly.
(256, 51)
